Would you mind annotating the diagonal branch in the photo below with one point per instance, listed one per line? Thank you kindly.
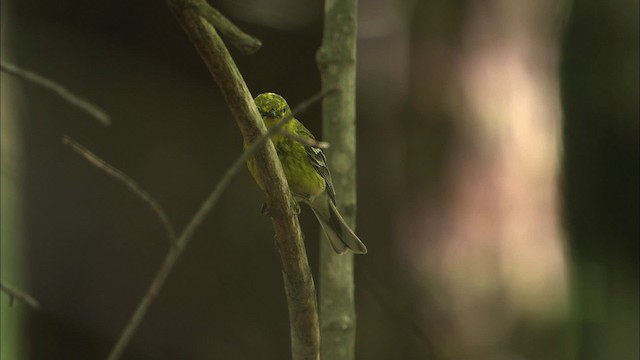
(182, 242)
(59, 90)
(306, 141)
(299, 286)
(244, 42)
(191, 7)
(126, 180)
(18, 294)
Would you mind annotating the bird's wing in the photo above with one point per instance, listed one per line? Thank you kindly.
(318, 161)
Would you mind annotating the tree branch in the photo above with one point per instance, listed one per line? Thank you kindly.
(298, 280)
(306, 141)
(175, 252)
(244, 42)
(299, 287)
(18, 294)
(127, 181)
(59, 90)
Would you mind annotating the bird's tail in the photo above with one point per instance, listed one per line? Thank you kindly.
(340, 236)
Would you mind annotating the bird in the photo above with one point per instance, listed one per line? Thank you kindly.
(307, 173)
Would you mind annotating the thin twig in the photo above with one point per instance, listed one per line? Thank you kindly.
(175, 251)
(244, 42)
(296, 110)
(126, 180)
(18, 294)
(59, 90)
(306, 141)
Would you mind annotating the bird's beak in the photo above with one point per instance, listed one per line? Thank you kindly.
(272, 114)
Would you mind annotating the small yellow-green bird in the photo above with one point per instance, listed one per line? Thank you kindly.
(307, 173)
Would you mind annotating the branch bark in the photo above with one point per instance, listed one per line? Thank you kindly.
(299, 287)
(337, 62)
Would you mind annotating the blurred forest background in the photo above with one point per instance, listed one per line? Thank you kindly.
(497, 180)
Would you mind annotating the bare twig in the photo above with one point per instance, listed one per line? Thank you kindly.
(59, 90)
(126, 180)
(306, 141)
(174, 253)
(18, 294)
(244, 42)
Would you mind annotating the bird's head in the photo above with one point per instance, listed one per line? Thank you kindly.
(272, 106)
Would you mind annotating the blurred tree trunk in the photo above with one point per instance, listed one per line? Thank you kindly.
(485, 239)
(337, 63)
(13, 341)
(600, 93)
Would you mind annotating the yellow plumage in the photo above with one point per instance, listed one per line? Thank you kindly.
(303, 179)
(307, 174)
